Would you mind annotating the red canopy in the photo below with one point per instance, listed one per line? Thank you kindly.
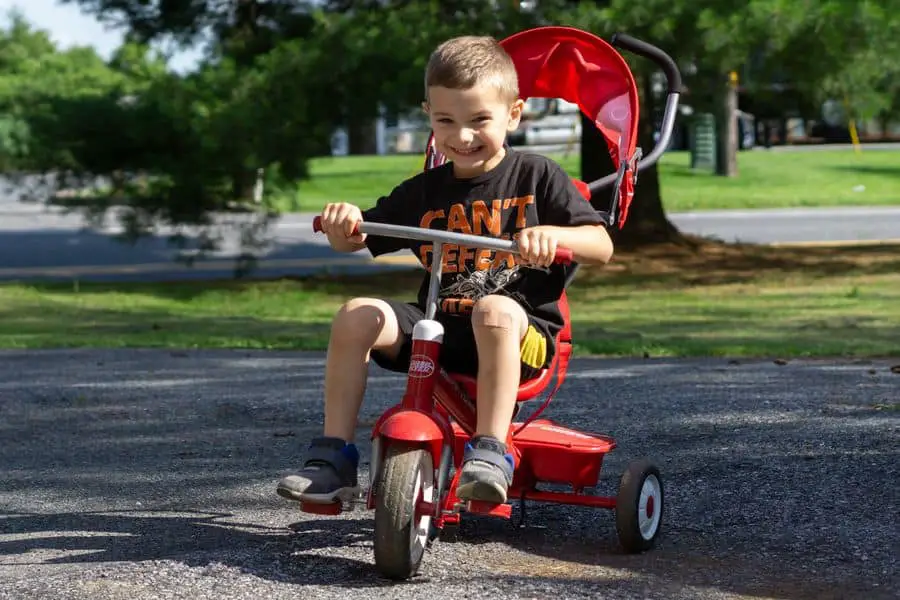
(581, 68)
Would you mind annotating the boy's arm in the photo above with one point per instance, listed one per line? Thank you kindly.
(570, 219)
(388, 209)
(590, 244)
(345, 245)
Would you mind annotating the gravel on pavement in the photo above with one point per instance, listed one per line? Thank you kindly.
(150, 474)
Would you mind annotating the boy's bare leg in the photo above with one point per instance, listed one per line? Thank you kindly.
(499, 324)
(330, 471)
(361, 325)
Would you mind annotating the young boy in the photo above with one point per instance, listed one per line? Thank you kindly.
(499, 312)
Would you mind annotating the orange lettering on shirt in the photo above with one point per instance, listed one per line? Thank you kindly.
(430, 216)
(504, 257)
(457, 220)
(449, 261)
(521, 203)
(457, 306)
(484, 221)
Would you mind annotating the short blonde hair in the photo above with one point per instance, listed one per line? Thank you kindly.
(462, 62)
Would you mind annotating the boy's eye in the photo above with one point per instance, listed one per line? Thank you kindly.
(445, 120)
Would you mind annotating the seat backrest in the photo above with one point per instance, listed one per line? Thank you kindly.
(583, 69)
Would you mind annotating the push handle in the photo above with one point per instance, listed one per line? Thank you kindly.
(673, 79)
(641, 48)
(564, 256)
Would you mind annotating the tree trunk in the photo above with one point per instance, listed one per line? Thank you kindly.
(727, 126)
(242, 185)
(646, 222)
(361, 133)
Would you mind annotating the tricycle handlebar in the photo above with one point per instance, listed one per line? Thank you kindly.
(563, 255)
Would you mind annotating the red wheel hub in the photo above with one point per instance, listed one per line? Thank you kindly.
(649, 507)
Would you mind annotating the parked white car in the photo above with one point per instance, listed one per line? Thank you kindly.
(547, 121)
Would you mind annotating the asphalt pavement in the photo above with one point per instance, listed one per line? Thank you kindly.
(150, 474)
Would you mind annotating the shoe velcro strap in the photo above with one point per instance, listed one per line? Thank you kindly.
(329, 455)
(490, 457)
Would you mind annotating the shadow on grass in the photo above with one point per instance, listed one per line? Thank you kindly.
(694, 261)
(891, 171)
(736, 327)
(63, 325)
(401, 284)
(711, 330)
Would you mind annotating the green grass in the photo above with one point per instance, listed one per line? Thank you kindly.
(766, 180)
(788, 314)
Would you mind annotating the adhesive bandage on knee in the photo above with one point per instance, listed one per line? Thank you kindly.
(493, 319)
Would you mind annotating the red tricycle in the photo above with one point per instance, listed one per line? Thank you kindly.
(418, 444)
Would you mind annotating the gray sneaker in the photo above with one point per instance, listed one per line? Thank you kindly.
(487, 471)
(328, 475)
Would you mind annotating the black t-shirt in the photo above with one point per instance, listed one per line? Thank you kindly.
(524, 190)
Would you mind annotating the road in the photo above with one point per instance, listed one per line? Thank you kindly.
(794, 226)
(42, 243)
(150, 474)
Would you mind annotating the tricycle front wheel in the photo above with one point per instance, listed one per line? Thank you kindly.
(406, 477)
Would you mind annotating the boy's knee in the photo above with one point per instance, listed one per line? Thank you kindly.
(360, 318)
(499, 313)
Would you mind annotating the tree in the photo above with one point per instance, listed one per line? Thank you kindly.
(647, 222)
(53, 103)
(844, 51)
(823, 48)
(280, 75)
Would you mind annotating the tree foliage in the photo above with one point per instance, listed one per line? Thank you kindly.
(278, 76)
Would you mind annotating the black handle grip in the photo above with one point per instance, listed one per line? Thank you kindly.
(636, 46)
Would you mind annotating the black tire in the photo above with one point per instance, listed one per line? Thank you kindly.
(450, 533)
(399, 543)
(639, 526)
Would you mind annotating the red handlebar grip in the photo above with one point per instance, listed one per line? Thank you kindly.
(564, 256)
(317, 226)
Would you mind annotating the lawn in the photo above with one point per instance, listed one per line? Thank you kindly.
(713, 300)
(767, 179)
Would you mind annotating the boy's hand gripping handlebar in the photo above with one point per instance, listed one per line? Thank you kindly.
(564, 256)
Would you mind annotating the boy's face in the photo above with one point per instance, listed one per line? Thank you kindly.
(470, 126)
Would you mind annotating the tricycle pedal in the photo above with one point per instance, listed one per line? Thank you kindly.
(345, 504)
(489, 508)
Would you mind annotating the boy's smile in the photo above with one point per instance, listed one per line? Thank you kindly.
(470, 126)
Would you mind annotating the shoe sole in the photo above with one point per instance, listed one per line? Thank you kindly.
(481, 491)
(344, 495)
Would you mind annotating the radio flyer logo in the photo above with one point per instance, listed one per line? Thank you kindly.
(420, 366)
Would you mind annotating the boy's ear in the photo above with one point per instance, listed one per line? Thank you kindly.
(515, 113)
(425, 108)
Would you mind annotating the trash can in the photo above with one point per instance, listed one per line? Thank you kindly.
(703, 142)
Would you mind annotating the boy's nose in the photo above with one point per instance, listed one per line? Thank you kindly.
(466, 135)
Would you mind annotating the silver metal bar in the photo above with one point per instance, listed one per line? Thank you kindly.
(665, 138)
(438, 237)
(434, 285)
(665, 134)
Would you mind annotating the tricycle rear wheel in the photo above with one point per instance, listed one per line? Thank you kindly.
(639, 506)
(406, 476)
